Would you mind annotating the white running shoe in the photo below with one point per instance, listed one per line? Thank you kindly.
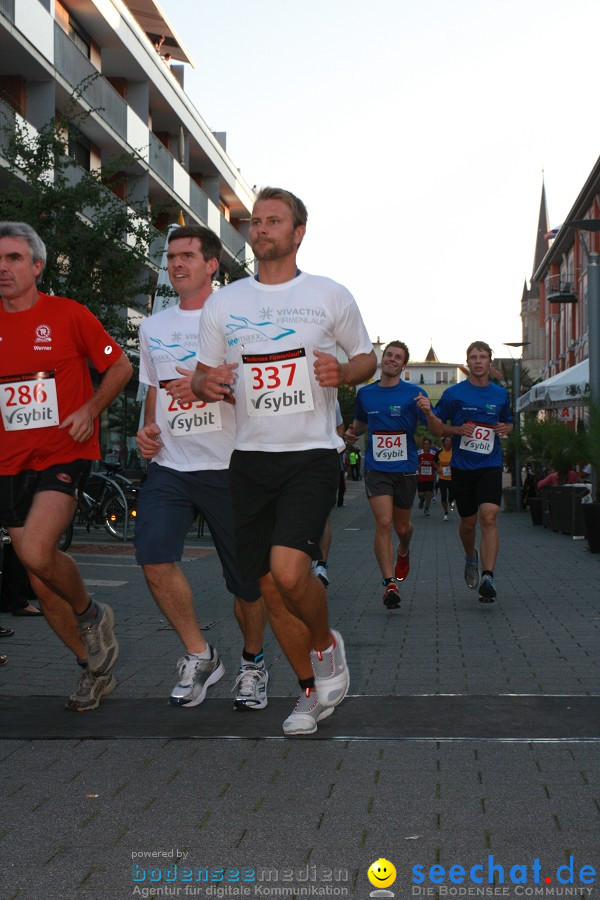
(251, 687)
(196, 676)
(332, 678)
(307, 712)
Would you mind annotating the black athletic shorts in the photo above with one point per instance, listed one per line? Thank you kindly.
(17, 491)
(472, 487)
(280, 499)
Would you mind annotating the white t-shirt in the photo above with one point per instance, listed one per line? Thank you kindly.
(271, 330)
(195, 436)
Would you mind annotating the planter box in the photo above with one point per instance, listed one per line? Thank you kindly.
(536, 510)
(562, 508)
(591, 523)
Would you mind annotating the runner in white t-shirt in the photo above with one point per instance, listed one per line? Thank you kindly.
(268, 344)
(190, 444)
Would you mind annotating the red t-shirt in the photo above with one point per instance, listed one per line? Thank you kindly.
(426, 469)
(44, 377)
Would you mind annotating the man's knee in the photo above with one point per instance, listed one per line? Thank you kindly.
(158, 574)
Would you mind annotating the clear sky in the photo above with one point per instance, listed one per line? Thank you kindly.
(416, 132)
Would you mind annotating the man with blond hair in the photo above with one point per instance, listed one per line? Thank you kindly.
(268, 344)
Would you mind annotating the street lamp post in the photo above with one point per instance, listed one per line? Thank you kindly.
(516, 391)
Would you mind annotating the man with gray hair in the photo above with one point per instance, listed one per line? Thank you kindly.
(48, 438)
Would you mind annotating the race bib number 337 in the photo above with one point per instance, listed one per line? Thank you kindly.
(28, 401)
(277, 384)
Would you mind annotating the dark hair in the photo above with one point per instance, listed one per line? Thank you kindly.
(297, 207)
(402, 346)
(37, 248)
(480, 345)
(210, 244)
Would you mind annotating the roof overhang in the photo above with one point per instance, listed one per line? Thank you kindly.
(151, 18)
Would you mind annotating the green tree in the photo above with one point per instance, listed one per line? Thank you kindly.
(98, 244)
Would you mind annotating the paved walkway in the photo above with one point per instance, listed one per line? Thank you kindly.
(396, 773)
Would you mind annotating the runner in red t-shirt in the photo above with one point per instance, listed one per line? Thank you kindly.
(48, 438)
(425, 475)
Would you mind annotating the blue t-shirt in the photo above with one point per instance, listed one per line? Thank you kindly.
(466, 402)
(391, 415)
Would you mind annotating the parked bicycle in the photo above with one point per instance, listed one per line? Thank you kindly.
(109, 502)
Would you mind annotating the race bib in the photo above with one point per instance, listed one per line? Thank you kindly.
(184, 419)
(277, 384)
(425, 470)
(389, 446)
(28, 401)
(481, 441)
(446, 471)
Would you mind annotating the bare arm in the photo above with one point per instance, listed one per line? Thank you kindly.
(214, 383)
(80, 424)
(148, 437)
(329, 372)
(355, 430)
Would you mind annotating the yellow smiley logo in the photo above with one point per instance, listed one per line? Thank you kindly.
(381, 873)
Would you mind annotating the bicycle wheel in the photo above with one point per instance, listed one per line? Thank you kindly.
(131, 498)
(115, 514)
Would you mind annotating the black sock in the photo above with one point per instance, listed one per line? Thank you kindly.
(387, 581)
(306, 683)
(487, 572)
(256, 658)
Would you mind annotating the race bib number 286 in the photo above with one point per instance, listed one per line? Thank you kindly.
(28, 401)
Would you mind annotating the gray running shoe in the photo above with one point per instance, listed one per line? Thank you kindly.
(472, 573)
(251, 687)
(99, 637)
(487, 589)
(332, 678)
(196, 676)
(307, 712)
(89, 691)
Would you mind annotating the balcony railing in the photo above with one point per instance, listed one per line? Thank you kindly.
(98, 92)
(233, 240)
(198, 201)
(561, 289)
(7, 8)
(161, 160)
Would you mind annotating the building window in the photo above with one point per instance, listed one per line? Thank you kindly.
(79, 149)
(441, 378)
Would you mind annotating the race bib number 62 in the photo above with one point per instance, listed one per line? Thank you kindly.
(277, 384)
(481, 441)
(28, 401)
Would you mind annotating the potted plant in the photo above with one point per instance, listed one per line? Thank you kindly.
(559, 447)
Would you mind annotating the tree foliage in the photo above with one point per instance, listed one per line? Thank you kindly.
(98, 245)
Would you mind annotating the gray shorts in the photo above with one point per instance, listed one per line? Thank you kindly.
(399, 485)
(168, 503)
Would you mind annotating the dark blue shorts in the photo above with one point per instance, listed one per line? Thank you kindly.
(168, 503)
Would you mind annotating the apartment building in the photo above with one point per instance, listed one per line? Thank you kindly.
(138, 103)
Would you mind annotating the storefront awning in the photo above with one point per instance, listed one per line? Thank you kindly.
(568, 388)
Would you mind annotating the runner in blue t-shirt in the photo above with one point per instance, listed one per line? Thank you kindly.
(479, 415)
(387, 408)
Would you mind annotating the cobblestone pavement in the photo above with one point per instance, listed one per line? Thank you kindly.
(82, 816)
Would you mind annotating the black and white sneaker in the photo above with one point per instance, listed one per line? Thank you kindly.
(196, 675)
(99, 637)
(251, 687)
